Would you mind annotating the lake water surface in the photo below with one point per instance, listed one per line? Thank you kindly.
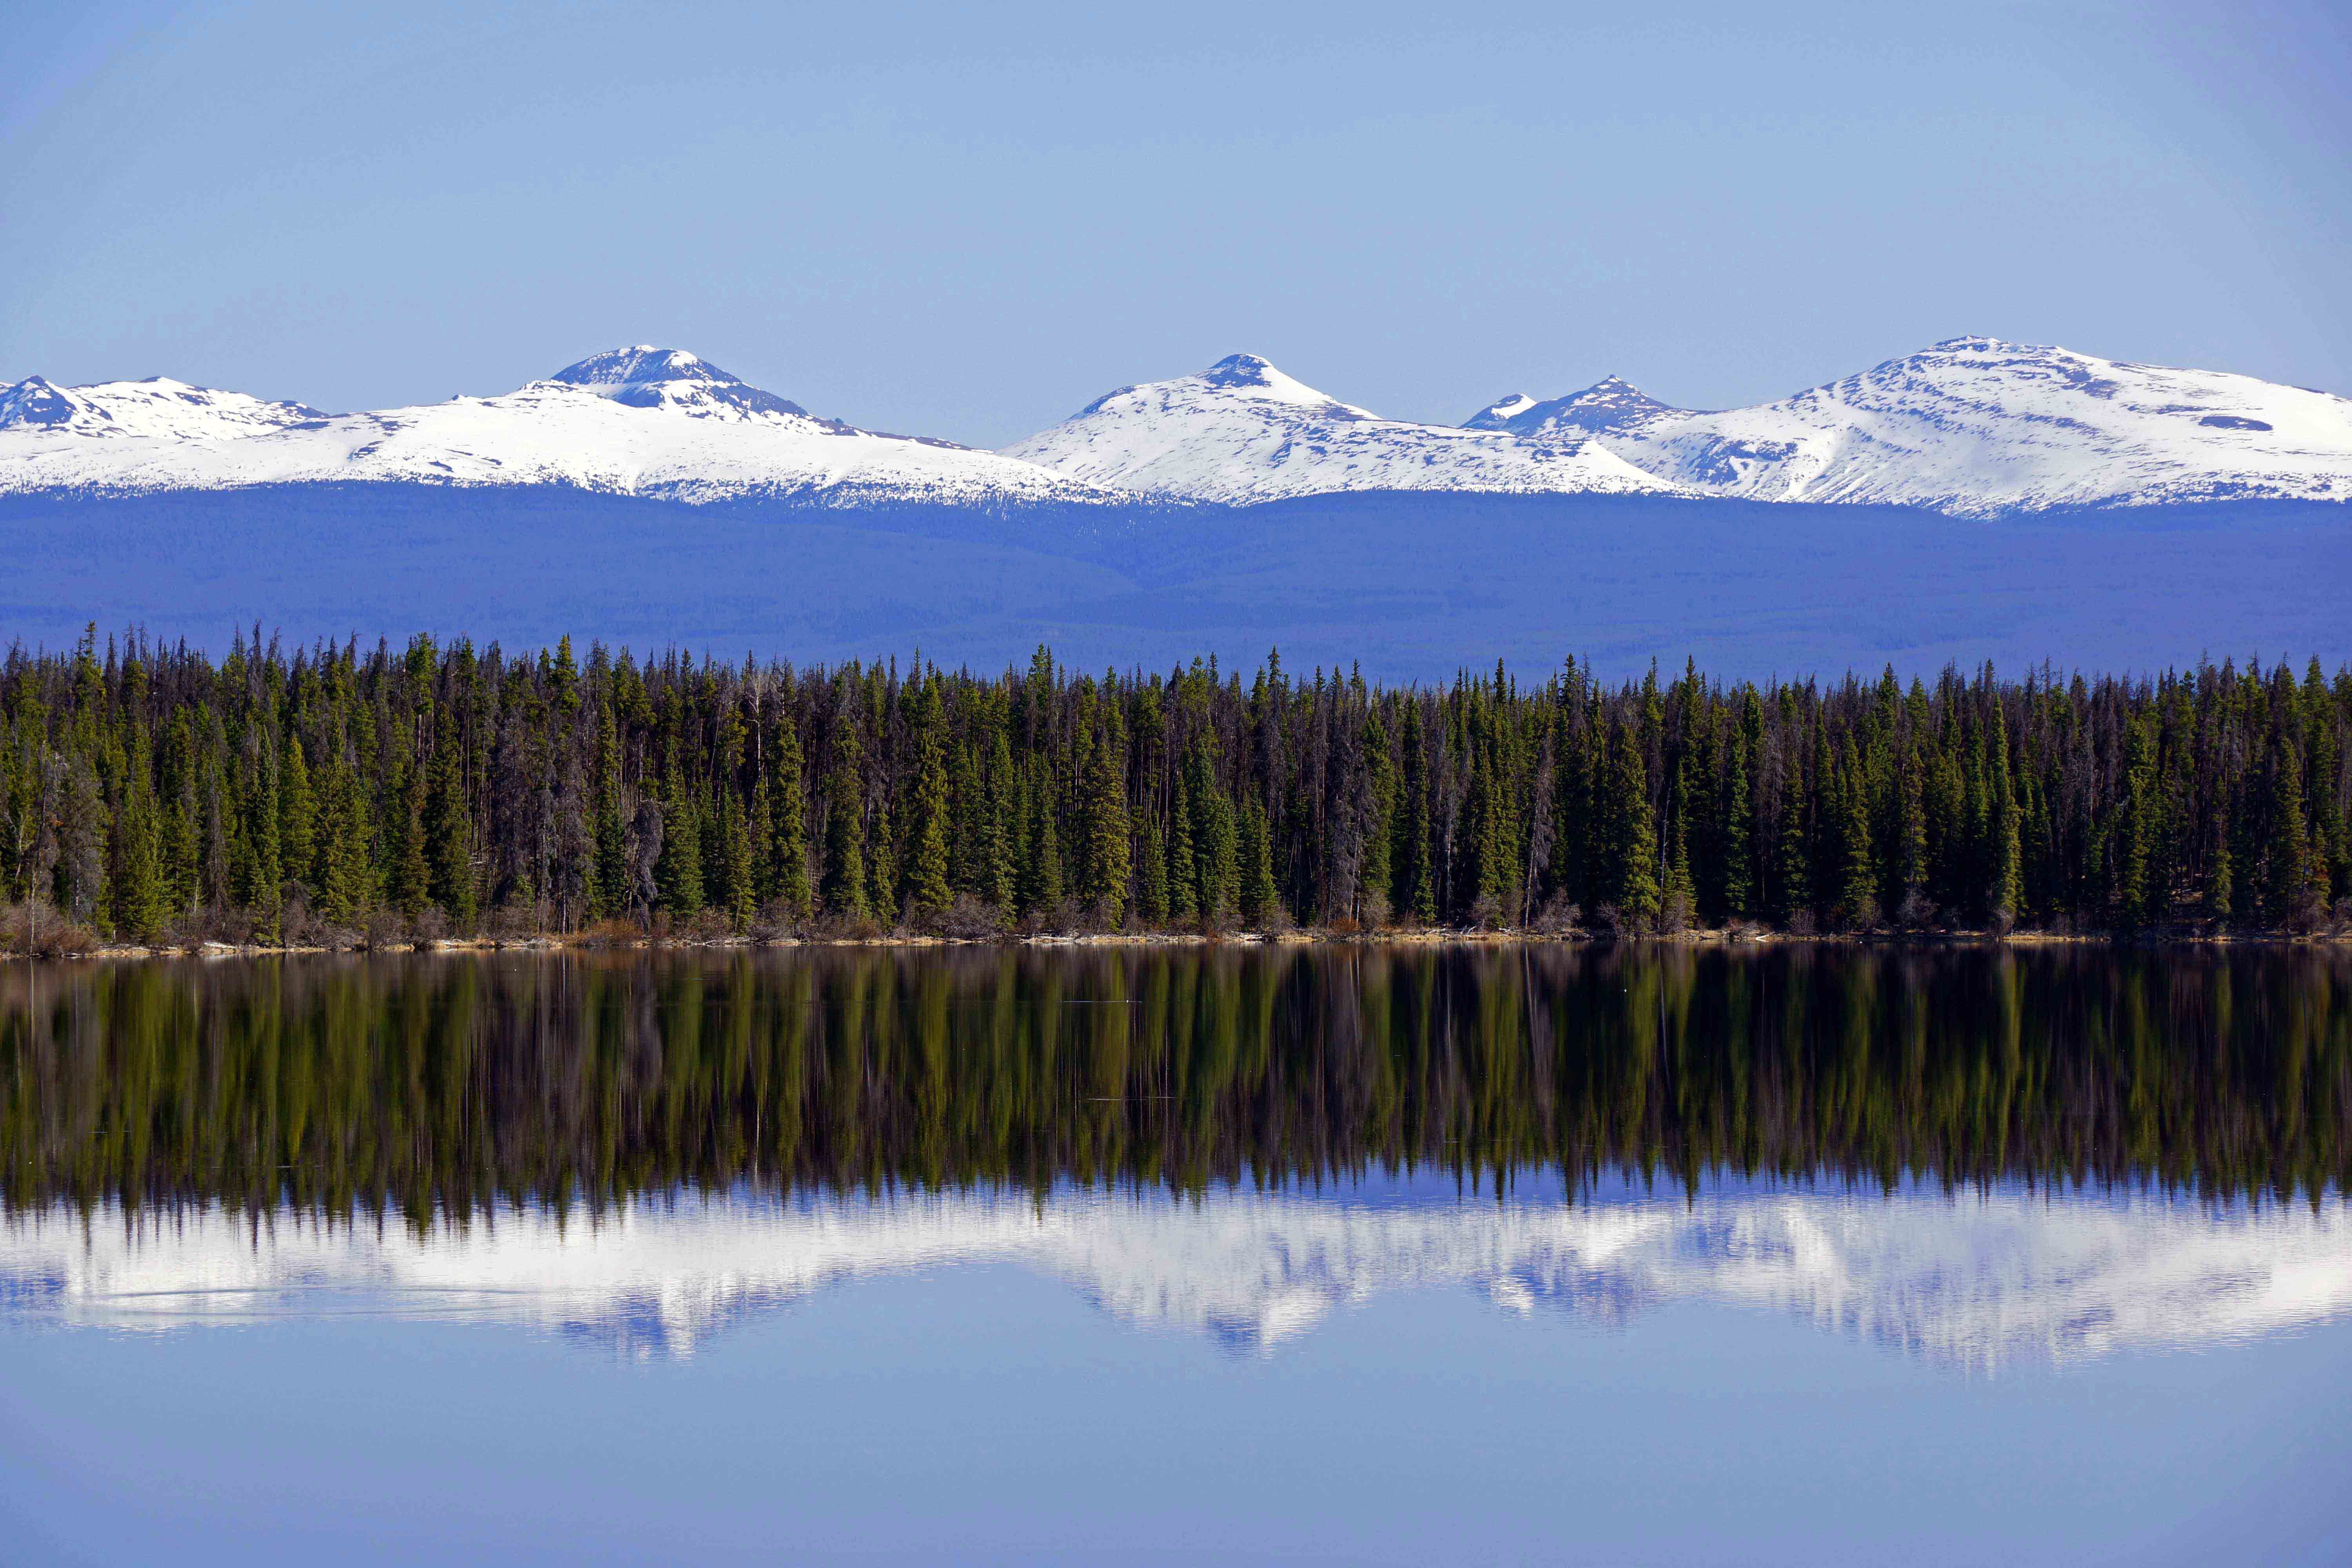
(1335, 1254)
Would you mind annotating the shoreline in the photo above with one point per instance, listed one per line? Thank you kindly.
(1412, 937)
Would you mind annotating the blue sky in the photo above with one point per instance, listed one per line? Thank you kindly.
(970, 221)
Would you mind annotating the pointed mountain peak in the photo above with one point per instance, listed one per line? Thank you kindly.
(647, 376)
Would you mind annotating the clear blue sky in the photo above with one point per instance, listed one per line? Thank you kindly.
(969, 220)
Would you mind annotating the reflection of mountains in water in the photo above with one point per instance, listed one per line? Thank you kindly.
(1973, 1279)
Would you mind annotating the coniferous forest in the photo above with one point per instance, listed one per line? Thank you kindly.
(343, 796)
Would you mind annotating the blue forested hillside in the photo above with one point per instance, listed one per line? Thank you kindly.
(1412, 585)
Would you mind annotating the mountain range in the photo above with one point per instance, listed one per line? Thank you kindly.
(1972, 427)
(1976, 501)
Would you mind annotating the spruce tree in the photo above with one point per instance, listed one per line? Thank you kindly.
(677, 873)
(927, 829)
(136, 881)
(2287, 880)
(1678, 901)
(1378, 878)
(1107, 869)
(1858, 902)
(1041, 888)
(346, 863)
(183, 874)
(1911, 834)
(1183, 857)
(1632, 824)
(1002, 858)
(845, 825)
(1260, 903)
(1151, 873)
(2135, 892)
(736, 896)
(412, 872)
(265, 873)
(1739, 819)
(787, 822)
(297, 835)
(611, 827)
(882, 865)
(1416, 894)
(1792, 851)
(2008, 861)
(448, 829)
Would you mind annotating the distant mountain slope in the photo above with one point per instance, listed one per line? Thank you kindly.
(1410, 585)
(1242, 432)
(1977, 428)
(640, 421)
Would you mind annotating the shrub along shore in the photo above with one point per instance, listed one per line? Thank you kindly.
(336, 796)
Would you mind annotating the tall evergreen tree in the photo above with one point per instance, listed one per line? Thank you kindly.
(1378, 875)
(448, 828)
(297, 822)
(1108, 870)
(927, 828)
(1630, 881)
(1739, 814)
(845, 825)
(678, 872)
(787, 822)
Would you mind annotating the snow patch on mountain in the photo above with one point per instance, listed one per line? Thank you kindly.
(638, 421)
(1977, 426)
(1243, 432)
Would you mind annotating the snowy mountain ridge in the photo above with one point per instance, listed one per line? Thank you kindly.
(1242, 432)
(638, 421)
(1971, 426)
(1978, 427)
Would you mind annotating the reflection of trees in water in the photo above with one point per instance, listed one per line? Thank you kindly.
(423, 1083)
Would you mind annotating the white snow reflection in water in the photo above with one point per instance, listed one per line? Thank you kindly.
(1975, 1280)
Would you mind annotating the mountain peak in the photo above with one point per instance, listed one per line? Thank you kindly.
(33, 401)
(1254, 377)
(1609, 405)
(1242, 370)
(645, 375)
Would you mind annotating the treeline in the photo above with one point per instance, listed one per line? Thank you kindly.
(413, 1084)
(343, 793)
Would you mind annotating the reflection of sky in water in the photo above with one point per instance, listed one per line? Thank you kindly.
(1972, 1280)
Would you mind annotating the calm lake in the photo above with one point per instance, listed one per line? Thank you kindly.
(1334, 1254)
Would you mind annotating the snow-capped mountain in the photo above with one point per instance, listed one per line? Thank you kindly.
(639, 421)
(1977, 428)
(1242, 432)
(1972, 427)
